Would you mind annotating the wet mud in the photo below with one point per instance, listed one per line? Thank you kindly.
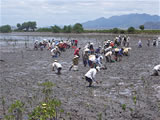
(23, 68)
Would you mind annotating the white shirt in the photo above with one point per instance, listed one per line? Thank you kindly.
(91, 73)
(57, 65)
(53, 44)
(108, 53)
(99, 59)
(157, 67)
(92, 58)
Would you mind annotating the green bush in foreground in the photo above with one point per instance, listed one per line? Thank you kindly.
(47, 109)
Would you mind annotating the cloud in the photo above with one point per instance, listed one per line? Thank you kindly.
(50, 12)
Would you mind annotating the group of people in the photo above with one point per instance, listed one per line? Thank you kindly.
(94, 57)
(154, 42)
(111, 50)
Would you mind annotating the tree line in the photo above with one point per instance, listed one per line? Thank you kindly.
(31, 26)
(27, 26)
(77, 28)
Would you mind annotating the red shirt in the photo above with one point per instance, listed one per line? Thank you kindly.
(112, 44)
(76, 52)
(76, 41)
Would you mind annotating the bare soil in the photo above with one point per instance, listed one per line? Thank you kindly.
(23, 68)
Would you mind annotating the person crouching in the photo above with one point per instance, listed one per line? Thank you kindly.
(155, 70)
(58, 66)
(90, 75)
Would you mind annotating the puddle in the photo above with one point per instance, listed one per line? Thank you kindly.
(111, 77)
(103, 94)
(20, 73)
(106, 85)
(121, 83)
(126, 92)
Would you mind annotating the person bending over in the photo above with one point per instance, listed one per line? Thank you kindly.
(90, 75)
(58, 66)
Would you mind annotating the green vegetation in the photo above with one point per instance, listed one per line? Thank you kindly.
(124, 107)
(131, 30)
(99, 116)
(26, 26)
(15, 111)
(141, 27)
(76, 28)
(5, 29)
(115, 30)
(67, 29)
(56, 29)
(122, 31)
(44, 30)
(47, 109)
(47, 89)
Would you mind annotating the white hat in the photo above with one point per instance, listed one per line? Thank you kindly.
(86, 50)
(55, 60)
(98, 68)
(116, 49)
(76, 56)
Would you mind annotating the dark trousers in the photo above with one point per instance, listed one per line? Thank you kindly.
(89, 80)
(59, 71)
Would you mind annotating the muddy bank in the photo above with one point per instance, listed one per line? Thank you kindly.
(23, 68)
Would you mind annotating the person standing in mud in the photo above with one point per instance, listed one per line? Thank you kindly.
(85, 57)
(124, 40)
(108, 56)
(90, 75)
(127, 42)
(139, 44)
(41, 46)
(91, 48)
(58, 66)
(148, 42)
(99, 60)
(75, 63)
(116, 41)
(156, 69)
(154, 42)
(76, 43)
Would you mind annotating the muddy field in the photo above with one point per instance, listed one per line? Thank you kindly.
(23, 68)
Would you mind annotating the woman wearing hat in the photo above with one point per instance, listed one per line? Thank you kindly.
(75, 62)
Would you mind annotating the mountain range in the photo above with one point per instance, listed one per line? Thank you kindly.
(124, 22)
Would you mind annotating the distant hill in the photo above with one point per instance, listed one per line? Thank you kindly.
(152, 25)
(123, 21)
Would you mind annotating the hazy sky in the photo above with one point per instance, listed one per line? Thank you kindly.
(65, 12)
